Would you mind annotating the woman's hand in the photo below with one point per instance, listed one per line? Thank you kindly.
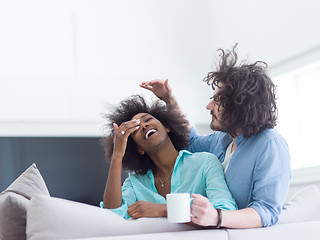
(203, 213)
(121, 134)
(147, 209)
(160, 88)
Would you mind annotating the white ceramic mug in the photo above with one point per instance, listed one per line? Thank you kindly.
(179, 207)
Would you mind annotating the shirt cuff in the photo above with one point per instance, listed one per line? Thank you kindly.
(121, 211)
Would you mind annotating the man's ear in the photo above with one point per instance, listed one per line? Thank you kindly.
(140, 151)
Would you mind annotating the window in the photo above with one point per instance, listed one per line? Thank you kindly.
(299, 117)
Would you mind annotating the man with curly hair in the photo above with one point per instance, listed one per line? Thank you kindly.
(148, 140)
(255, 157)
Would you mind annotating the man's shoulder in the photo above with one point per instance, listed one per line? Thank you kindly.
(267, 134)
(265, 139)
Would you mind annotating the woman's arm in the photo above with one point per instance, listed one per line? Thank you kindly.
(216, 189)
(147, 209)
(112, 195)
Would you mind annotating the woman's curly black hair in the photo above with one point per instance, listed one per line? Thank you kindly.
(128, 108)
(247, 95)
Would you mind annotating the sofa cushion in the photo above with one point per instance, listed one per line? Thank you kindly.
(54, 218)
(292, 231)
(14, 202)
(214, 234)
(303, 206)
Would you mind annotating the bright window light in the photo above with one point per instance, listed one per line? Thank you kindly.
(298, 107)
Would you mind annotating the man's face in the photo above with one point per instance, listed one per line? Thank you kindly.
(216, 112)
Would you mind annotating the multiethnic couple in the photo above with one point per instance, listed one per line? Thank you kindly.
(238, 176)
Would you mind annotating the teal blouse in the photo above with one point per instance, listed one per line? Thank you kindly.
(200, 173)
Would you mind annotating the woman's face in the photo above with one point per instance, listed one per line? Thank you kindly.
(151, 134)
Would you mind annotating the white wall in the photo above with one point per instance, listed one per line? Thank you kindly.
(61, 61)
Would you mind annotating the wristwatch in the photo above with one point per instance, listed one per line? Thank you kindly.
(219, 218)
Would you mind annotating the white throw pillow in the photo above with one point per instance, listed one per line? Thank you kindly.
(54, 218)
(14, 202)
(13, 208)
(302, 207)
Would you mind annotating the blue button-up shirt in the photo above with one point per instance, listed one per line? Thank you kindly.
(200, 173)
(259, 171)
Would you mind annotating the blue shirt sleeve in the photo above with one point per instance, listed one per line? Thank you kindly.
(271, 181)
(214, 143)
(198, 143)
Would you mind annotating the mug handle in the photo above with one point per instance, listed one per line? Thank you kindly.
(191, 198)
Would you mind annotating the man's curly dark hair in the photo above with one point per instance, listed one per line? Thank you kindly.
(127, 109)
(247, 95)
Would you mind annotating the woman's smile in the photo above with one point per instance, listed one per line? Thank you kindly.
(149, 133)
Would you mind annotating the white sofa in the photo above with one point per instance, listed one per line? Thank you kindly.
(28, 212)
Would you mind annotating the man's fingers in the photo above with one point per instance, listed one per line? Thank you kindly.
(148, 87)
(197, 210)
(196, 220)
(197, 213)
(150, 84)
(200, 200)
(166, 84)
(115, 127)
(196, 195)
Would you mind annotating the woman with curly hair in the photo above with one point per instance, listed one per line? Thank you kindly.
(148, 140)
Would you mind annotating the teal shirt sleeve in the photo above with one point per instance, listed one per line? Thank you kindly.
(217, 190)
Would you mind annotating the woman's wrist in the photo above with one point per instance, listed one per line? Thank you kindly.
(164, 210)
(116, 157)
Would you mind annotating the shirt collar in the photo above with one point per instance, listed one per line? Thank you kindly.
(227, 139)
(239, 139)
(180, 156)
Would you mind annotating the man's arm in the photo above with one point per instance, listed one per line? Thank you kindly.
(163, 91)
(243, 218)
(204, 214)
